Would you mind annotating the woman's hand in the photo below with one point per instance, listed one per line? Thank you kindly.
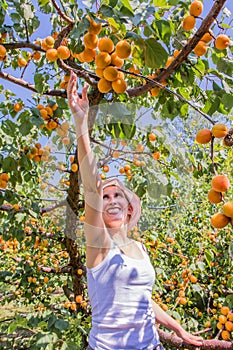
(189, 338)
(79, 106)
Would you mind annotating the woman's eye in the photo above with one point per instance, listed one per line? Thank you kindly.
(118, 194)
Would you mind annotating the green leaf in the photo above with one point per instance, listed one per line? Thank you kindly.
(41, 82)
(9, 164)
(127, 5)
(107, 11)
(25, 128)
(51, 321)
(160, 3)
(45, 339)
(225, 66)
(12, 328)
(80, 28)
(9, 127)
(128, 130)
(27, 11)
(231, 251)
(229, 300)
(154, 54)
(209, 256)
(62, 325)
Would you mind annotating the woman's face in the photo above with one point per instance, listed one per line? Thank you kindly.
(116, 208)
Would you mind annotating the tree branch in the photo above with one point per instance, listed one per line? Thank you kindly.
(62, 14)
(172, 340)
(205, 26)
(26, 85)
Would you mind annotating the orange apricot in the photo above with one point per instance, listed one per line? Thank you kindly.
(119, 86)
(51, 55)
(106, 44)
(3, 184)
(156, 155)
(88, 55)
(104, 85)
(229, 326)
(110, 73)
(200, 49)
(123, 49)
(66, 141)
(4, 177)
(36, 55)
(106, 168)
(219, 130)
(63, 52)
(78, 298)
(102, 60)
(152, 137)
(90, 40)
(99, 72)
(116, 60)
(22, 62)
(219, 220)
(95, 28)
(155, 91)
(225, 310)
(169, 61)
(222, 42)
(220, 183)
(17, 107)
(228, 209)
(134, 69)
(225, 335)
(49, 41)
(214, 196)
(2, 51)
(207, 37)
(74, 167)
(203, 136)
(44, 46)
(189, 22)
(196, 8)
(176, 53)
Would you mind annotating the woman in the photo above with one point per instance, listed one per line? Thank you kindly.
(119, 273)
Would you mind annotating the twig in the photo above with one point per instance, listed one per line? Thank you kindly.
(62, 14)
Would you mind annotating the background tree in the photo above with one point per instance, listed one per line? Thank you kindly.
(158, 72)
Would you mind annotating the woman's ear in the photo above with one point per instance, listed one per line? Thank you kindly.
(130, 209)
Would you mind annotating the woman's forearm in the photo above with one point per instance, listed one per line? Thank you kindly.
(164, 319)
(86, 158)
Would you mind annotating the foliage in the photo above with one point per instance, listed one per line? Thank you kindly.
(144, 136)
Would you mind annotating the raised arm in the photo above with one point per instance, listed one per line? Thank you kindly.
(92, 184)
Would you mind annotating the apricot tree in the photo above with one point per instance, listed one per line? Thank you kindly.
(160, 63)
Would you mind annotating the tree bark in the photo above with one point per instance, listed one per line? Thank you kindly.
(172, 340)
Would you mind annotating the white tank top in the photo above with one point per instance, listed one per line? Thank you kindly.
(120, 290)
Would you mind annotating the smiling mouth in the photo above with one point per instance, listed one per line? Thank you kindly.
(114, 210)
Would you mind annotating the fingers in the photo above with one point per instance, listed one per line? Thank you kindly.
(71, 89)
(84, 92)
